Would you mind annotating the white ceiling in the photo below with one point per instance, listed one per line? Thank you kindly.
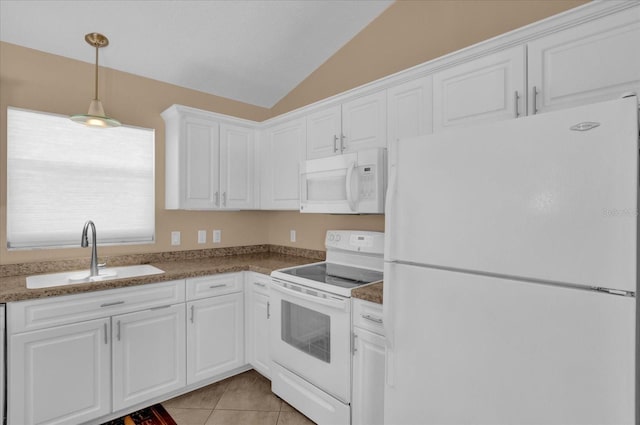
(252, 51)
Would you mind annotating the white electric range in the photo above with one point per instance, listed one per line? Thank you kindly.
(310, 326)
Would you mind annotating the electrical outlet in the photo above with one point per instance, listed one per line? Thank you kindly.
(175, 238)
(217, 236)
(292, 235)
(202, 236)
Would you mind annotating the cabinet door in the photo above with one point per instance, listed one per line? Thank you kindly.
(215, 335)
(324, 132)
(367, 406)
(283, 150)
(257, 316)
(588, 63)
(364, 122)
(487, 89)
(148, 354)
(199, 170)
(236, 167)
(60, 375)
(410, 111)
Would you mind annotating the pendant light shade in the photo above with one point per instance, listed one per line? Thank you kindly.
(96, 116)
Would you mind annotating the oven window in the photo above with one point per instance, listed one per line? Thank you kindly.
(306, 330)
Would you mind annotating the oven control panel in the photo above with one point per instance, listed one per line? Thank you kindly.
(355, 240)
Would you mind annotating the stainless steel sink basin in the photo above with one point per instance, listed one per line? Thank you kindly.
(82, 276)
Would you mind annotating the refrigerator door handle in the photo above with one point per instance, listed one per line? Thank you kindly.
(388, 309)
(390, 198)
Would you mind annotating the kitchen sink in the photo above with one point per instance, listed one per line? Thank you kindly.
(83, 276)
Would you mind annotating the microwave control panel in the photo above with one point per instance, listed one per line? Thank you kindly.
(367, 182)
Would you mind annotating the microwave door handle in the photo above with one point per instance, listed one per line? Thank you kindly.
(350, 200)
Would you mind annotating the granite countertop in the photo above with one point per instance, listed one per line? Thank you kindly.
(181, 265)
(13, 288)
(371, 292)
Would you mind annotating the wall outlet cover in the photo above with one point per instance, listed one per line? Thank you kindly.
(292, 235)
(175, 238)
(217, 236)
(202, 236)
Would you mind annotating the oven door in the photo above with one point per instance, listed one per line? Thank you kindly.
(310, 336)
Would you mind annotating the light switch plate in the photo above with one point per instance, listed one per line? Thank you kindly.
(202, 236)
(217, 236)
(292, 235)
(175, 238)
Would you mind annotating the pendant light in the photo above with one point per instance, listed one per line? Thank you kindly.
(96, 116)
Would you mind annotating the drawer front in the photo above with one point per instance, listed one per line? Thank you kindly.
(210, 286)
(258, 282)
(43, 313)
(368, 315)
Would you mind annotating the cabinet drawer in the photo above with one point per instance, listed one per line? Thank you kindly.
(210, 286)
(368, 315)
(258, 282)
(43, 313)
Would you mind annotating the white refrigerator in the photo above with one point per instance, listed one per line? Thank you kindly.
(511, 272)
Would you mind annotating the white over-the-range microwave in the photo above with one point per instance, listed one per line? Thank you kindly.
(353, 183)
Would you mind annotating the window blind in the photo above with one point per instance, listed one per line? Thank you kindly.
(61, 174)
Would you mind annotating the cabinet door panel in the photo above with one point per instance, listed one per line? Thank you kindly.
(368, 378)
(588, 63)
(148, 354)
(60, 375)
(481, 90)
(215, 336)
(410, 111)
(200, 168)
(284, 149)
(236, 175)
(323, 132)
(257, 309)
(364, 122)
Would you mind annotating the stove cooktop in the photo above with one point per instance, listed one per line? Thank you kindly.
(347, 277)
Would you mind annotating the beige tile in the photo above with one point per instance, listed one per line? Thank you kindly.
(286, 407)
(242, 417)
(294, 418)
(203, 398)
(189, 416)
(249, 391)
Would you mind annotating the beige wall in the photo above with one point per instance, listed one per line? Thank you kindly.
(409, 33)
(406, 34)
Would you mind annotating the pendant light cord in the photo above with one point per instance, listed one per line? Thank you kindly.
(96, 96)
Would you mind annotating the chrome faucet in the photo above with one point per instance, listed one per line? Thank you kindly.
(84, 242)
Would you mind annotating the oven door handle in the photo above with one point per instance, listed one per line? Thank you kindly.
(336, 304)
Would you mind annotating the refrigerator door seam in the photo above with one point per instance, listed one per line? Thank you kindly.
(524, 279)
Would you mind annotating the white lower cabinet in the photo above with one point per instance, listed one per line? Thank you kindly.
(257, 318)
(78, 358)
(367, 401)
(105, 351)
(148, 354)
(60, 375)
(215, 336)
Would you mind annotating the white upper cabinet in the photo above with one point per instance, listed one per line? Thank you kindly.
(490, 88)
(209, 162)
(410, 109)
(324, 132)
(236, 167)
(355, 125)
(281, 151)
(588, 63)
(364, 122)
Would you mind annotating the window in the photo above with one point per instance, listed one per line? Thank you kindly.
(61, 174)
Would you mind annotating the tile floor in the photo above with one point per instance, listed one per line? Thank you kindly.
(244, 399)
